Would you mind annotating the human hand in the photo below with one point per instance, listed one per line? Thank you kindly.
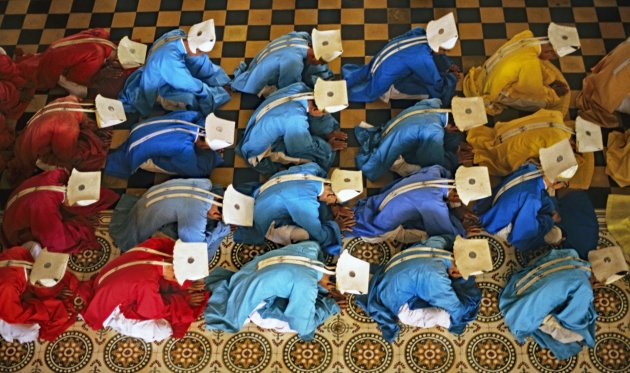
(197, 285)
(338, 140)
(196, 299)
(345, 223)
(556, 217)
(559, 87)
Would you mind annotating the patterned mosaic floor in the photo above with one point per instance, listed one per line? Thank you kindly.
(349, 342)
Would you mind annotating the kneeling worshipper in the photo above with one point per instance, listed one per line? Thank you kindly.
(191, 205)
(16, 91)
(294, 126)
(38, 294)
(151, 292)
(292, 58)
(419, 136)
(178, 143)
(293, 206)
(57, 209)
(63, 134)
(578, 221)
(178, 75)
(508, 145)
(607, 89)
(408, 67)
(551, 300)
(424, 286)
(260, 293)
(520, 75)
(422, 204)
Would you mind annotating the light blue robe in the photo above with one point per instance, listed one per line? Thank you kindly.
(291, 293)
(567, 295)
(527, 206)
(281, 63)
(289, 129)
(420, 139)
(170, 73)
(294, 203)
(578, 222)
(420, 283)
(424, 208)
(414, 70)
(170, 145)
(134, 222)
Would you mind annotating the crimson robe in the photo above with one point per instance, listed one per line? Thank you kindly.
(41, 216)
(141, 292)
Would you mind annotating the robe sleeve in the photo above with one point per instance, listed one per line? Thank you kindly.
(425, 69)
(9, 96)
(180, 78)
(191, 223)
(202, 68)
(290, 71)
(300, 312)
(531, 84)
(528, 232)
(305, 213)
(322, 126)
(299, 141)
(48, 226)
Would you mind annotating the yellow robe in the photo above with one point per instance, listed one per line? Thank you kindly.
(618, 220)
(503, 158)
(604, 89)
(618, 157)
(519, 80)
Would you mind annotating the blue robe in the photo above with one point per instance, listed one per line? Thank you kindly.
(578, 222)
(567, 295)
(420, 283)
(170, 145)
(413, 70)
(288, 129)
(527, 206)
(420, 139)
(170, 73)
(279, 67)
(301, 301)
(424, 209)
(294, 203)
(134, 222)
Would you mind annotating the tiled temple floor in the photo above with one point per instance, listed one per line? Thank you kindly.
(349, 342)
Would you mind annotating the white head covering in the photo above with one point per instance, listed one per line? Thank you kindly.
(219, 132)
(346, 184)
(202, 36)
(442, 33)
(472, 256)
(326, 44)
(49, 268)
(472, 183)
(353, 274)
(588, 136)
(331, 96)
(608, 265)
(469, 112)
(109, 112)
(84, 188)
(238, 208)
(190, 261)
(564, 39)
(130, 53)
(558, 161)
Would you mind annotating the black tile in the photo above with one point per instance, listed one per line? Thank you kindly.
(588, 30)
(373, 46)
(261, 4)
(30, 36)
(468, 15)
(581, 3)
(377, 117)
(536, 3)
(282, 17)
(127, 6)
(159, 31)
(402, 104)
(328, 16)
(119, 33)
(101, 20)
(219, 30)
(72, 31)
(352, 32)
(539, 29)
(611, 44)
(250, 102)
(397, 30)
(190, 18)
(245, 175)
(305, 28)
(56, 21)
(564, 15)
(610, 14)
(472, 48)
(494, 31)
(306, 4)
(377, 15)
(598, 196)
(258, 32)
(515, 14)
(352, 61)
(398, 3)
(228, 158)
(216, 4)
(38, 7)
(170, 4)
(3, 6)
(490, 3)
(10, 49)
(236, 17)
(590, 61)
(141, 179)
(13, 21)
(444, 3)
(82, 6)
(575, 80)
(352, 3)
(146, 19)
(600, 160)
(421, 15)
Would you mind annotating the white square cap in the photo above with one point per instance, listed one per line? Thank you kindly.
(469, 112)
(564, 39)
(472, 183)
(588, 136)
(238, 208)
(442, 33)
(109, 112)
(472, 256)
(49, 268)
(84, 188)
(331, 96)
(353, 274)
(130, 53)
(326, 44)
(219, 132)
(202, 36)
(346, 184)
(190, 261)
(608, 265)
(558, 161)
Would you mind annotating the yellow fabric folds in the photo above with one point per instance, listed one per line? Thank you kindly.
(618, 220)
(618, 157)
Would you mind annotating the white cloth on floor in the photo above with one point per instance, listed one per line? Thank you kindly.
(424, 317)
(148, 330)
(278, 326)
(23, 333)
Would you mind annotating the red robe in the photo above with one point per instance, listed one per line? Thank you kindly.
(141, 292)
(15, 94)
(41, 216)
(67, 139)
(23, 303)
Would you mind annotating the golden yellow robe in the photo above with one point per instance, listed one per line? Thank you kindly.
(604, 89)
(503, 158)
(618, 220)
(519, 80)
(618, 157)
